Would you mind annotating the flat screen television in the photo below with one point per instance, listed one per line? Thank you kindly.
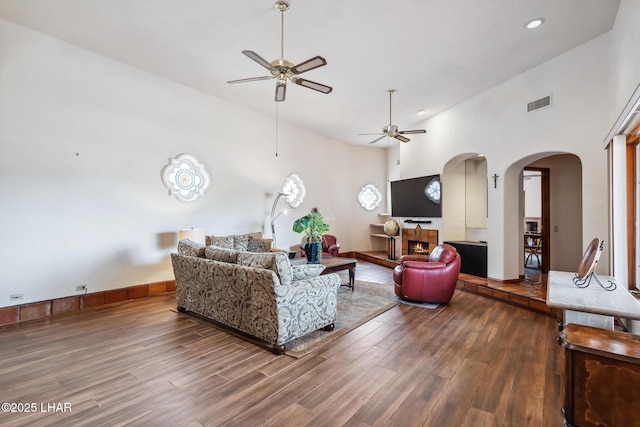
(417, 197)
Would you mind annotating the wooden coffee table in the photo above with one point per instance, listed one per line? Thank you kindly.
(334, 264)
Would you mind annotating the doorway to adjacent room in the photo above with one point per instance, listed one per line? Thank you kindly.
(536, 218)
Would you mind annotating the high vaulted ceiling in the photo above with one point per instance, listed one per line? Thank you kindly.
(435, 53)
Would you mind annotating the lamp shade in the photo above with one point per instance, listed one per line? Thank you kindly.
(193, 234)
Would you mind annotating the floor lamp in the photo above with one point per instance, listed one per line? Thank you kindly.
(274, 216)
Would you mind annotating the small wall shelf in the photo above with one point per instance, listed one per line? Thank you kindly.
(380, 240)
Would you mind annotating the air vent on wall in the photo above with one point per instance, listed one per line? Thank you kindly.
(539, 103)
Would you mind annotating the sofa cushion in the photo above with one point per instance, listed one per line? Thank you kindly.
(306, 271)
(276, 261)
(241, 241)
(191, 248)
(225, 242)
(258, 244)
(221, 254)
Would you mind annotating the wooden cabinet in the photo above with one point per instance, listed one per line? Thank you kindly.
(473, 256)
(600, 377)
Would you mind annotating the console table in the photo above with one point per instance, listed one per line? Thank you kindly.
(600, 366)
(593, 305)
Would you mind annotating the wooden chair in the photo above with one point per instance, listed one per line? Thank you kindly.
(532, 248)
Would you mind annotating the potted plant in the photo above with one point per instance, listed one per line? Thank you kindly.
(314, 228)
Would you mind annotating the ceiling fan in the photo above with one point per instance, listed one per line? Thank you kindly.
(392, 130)
(284, 70)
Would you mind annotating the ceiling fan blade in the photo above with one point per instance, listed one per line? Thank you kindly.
(309, 64)
(378, 139)
(414, 131)
(281, 89)
(251, 79)
(313, 85)
(402, 138)
(377, 133)
(259, 59)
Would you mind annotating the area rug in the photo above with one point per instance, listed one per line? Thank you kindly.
(367, 301)
(429, 305)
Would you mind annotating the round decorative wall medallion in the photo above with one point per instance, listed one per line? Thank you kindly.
(432, 190)
(294, 189)
(369, 197)
(185, 178)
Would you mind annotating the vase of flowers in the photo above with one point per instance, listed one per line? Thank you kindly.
(314, 228)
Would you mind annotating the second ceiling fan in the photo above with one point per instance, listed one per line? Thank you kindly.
(284, 70)
(391, 130)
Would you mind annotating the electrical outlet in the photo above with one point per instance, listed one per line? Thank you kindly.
(15, 297)
(81, 288)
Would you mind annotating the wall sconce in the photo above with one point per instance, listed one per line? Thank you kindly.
(193, 234)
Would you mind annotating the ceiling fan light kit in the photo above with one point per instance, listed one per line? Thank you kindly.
(284, 70)
(391, 130)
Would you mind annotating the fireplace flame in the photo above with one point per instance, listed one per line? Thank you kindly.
(419, 249)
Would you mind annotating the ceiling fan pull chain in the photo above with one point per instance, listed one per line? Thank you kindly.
(276, 129)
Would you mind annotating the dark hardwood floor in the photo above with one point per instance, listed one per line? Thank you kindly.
(475, 362)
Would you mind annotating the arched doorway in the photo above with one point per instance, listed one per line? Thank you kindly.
(561, 214)
(505, 228)
(536, 218)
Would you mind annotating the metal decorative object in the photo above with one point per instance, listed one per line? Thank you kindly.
(586, 269)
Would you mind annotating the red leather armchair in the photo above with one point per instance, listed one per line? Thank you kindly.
(330, 246)
(430, 278)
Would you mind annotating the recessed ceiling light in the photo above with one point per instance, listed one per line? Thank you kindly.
(534, 23)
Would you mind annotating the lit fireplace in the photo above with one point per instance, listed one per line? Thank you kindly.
(418, 241)
(418, 248)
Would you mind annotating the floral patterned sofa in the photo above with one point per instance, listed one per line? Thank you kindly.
(256, 293)
(248, 242)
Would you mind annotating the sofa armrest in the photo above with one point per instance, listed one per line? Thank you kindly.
(307, 271)
(421, 265)
(320, 284)
(414, 257)
(306, 305)
(334, 249)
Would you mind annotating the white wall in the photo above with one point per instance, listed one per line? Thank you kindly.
(83, 139)
(589, 86)
(476, 193)
(532, 187)
(624, 56)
